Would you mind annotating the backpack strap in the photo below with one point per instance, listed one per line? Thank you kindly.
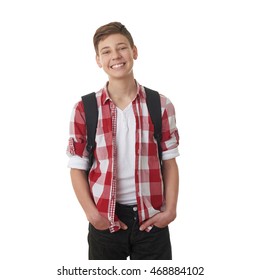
(153, 102)
(91, 114)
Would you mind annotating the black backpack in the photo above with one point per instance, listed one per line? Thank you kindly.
(91, 112)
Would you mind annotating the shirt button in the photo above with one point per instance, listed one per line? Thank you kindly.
(135, 208)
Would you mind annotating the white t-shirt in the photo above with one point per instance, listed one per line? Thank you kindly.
(125, 140)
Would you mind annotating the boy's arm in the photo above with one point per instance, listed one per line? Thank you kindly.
(171, 185)
(82, 191)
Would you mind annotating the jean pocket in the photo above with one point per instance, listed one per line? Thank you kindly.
(92, 228)
(155, 228)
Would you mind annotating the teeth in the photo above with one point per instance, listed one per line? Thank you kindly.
(117, 66)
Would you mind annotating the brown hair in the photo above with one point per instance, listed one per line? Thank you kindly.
(108, 29)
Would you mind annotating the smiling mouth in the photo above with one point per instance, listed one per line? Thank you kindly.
(117, 66)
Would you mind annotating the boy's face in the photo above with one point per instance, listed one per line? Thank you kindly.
(116, 56)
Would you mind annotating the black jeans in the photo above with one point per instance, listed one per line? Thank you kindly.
(139, 245)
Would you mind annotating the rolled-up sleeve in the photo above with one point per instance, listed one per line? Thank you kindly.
(170, 134)
(76, 149)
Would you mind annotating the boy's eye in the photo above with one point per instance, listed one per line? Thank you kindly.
(105, 52)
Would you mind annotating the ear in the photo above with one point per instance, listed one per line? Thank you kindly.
(98, 61)
(135, 52)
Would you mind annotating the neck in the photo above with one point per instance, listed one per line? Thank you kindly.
(122, 92)
(121, 89)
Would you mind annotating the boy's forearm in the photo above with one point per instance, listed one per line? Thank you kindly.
(171, 188)
(82, 191)
(171, 185)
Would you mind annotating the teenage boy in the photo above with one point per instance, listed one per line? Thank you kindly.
(128, 198)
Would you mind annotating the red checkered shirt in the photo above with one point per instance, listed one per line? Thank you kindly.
(103, 177)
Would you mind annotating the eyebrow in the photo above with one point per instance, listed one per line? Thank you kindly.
(104, 48)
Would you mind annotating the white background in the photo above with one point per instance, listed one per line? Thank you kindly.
(204, 55)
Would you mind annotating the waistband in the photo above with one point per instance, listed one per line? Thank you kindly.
(128, 208)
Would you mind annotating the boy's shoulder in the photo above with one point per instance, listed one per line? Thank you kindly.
(164, 99)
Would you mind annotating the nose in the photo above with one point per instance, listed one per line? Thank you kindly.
(116, 55)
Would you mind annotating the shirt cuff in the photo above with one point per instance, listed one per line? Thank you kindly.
(170, 154)
(78, 162)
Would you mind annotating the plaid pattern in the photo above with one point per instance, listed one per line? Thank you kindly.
(102, 176)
